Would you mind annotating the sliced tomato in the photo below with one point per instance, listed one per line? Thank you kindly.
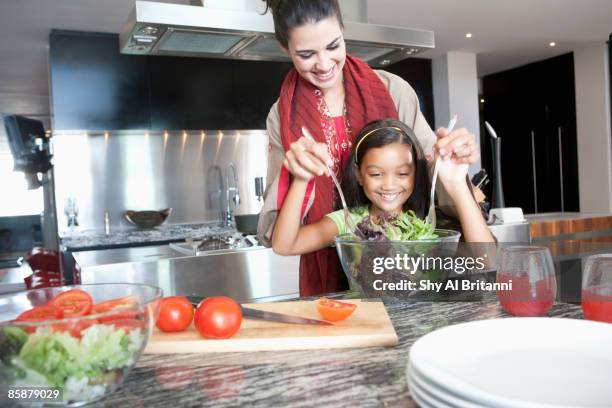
(74, 328)
(127, 324)
(333, 310)
(124, 308)
(126, 302)
(40, 313)
(73, 303)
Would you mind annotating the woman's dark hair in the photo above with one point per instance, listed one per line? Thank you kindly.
(289, 14)
(378, 134)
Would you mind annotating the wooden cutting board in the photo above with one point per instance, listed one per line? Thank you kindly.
(368, 326)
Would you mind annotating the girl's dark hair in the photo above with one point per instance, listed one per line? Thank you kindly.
(289, 14)
(378, 134)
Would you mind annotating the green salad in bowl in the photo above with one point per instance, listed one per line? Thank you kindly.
(387, 252)
(82, 340)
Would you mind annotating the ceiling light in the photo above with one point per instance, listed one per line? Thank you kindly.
(553, 44)
(468, 35)
(482, 101)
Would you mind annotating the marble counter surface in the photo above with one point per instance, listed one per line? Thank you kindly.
(97, 239)
(373, 377)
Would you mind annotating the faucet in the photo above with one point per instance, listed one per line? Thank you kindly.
(218, 192)
(231, 191)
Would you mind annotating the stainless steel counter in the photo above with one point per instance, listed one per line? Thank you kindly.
(253, 275)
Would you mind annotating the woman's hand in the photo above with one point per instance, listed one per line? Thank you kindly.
(460, 145)
(306, 159)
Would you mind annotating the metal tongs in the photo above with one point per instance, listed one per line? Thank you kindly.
(431, 214)
(350, 225)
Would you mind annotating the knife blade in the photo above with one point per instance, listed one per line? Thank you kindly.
(279, 317)
(257, 314)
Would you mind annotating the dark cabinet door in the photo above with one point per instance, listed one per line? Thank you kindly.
(532, 109)
(95, 87)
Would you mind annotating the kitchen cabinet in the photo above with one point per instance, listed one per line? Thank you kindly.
(94, 87)
(417, 72)
(533, 110)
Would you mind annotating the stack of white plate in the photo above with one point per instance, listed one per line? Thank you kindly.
(514, 362)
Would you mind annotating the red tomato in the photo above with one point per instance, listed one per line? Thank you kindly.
(221, 382)
(218, 317)
(175, 314)
(125, 308)
(333, 310)
(40, 313)
(174, 378)
(74, 302)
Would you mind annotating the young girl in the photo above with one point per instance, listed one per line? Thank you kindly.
(386, 173)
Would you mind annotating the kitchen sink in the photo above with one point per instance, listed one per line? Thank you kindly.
(217, 245)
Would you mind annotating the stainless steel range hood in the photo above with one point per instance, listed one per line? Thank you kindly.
(198, 31)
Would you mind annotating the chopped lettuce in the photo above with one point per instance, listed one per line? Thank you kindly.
(83, 367)
(58, 355)
(404, 227)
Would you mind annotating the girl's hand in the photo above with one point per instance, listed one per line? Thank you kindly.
(460, 145)
(452, 173)
(306, 159)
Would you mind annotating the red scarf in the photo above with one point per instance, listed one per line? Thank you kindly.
(366, 99)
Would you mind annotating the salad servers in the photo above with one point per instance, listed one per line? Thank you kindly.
(350, 225)
(431, 214)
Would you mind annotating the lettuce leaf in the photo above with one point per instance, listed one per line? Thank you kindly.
(404, 227)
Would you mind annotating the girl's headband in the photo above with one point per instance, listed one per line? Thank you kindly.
(369, 133)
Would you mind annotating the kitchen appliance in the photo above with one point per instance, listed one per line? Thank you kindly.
(239, 30)
(25, 137)
(368, 326)
(31, 154)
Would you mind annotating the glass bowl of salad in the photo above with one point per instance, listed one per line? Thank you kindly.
(79, 341)
(389, 257)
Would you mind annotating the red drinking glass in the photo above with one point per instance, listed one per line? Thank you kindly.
(530, 274)
(597, 288)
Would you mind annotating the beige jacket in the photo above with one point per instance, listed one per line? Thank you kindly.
(407, 105)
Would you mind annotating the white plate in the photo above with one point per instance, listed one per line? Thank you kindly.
(444, 396)
(520, 362)
(424, 398)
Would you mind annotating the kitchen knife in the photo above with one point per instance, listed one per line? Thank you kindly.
(256, 314)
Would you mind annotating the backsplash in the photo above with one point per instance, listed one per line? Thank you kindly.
(138, 170)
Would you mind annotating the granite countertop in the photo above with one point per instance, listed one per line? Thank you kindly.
(337, 378)
(97, 239)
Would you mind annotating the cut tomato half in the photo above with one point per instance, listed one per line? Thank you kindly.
(73, 303)
(333, 310)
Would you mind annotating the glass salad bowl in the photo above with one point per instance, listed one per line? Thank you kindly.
(81, 340)
(384, 269)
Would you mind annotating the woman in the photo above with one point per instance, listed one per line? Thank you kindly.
(333, 95)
